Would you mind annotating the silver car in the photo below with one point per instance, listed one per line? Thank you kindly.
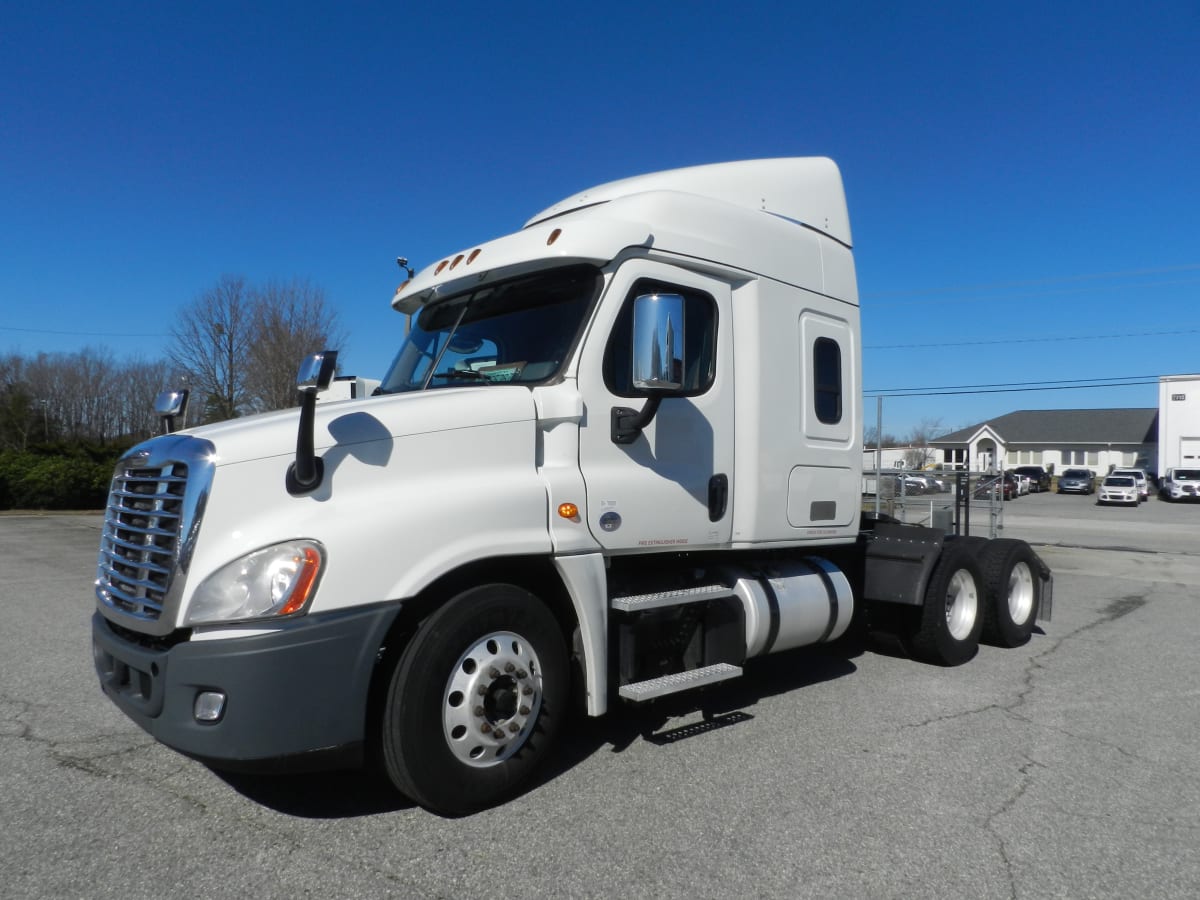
(1139, 476)
(1119, 489)
(1076, 481)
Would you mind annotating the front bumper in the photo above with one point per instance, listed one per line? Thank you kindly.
(301, 690)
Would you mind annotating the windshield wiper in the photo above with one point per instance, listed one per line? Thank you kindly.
(463, 373)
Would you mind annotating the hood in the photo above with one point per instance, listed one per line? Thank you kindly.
(350, 422)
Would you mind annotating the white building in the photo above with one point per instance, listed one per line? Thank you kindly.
(1178, 421)
(1058, 439)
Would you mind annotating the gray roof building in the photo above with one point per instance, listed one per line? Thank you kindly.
(1096, 439)
(1065, 426)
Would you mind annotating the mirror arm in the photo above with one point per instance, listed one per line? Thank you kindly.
(628, 424)
(307, 472)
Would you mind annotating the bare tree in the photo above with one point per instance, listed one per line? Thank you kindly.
(18, 413)
(872, 438)
(212, 338)
(291, 320)
(919, 454)
(141, 380)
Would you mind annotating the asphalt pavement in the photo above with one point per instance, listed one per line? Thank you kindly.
(1069, 767)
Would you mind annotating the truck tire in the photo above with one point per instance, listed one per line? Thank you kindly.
(475, 700)
(951, 616)
(1014, 591)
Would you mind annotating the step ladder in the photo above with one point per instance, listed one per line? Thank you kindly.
(640, 691)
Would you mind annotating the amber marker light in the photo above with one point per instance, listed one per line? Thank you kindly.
(553, 236)
(471, 258)
(568, 510)
(311, 565)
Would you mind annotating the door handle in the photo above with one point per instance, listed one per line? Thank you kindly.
(718, 497)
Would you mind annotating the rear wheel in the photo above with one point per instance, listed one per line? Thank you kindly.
(475, 700)
(1014, 591)
(951, 617)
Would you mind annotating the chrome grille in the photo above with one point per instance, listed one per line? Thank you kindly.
(139, 549)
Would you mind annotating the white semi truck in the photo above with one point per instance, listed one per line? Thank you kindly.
(617, 456)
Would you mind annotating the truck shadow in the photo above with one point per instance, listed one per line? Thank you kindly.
(366, 792)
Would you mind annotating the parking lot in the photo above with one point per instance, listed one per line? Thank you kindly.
(1066, 768)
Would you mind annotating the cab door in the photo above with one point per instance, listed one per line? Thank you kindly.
(671, 485)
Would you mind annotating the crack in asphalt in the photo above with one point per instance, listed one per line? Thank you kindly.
(1115, 610)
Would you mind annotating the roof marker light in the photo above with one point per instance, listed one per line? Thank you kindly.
(553, 236)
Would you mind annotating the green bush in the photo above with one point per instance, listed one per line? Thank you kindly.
(62, 477)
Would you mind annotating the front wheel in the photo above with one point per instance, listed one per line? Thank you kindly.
(475, 700)
(951, 619)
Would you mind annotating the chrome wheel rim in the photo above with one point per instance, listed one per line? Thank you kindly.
(492, 699)
(962, 604)
(1020, 593)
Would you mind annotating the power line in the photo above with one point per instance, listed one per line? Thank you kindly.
(1036, 340)
(116, 334)
(1014, 387)
(1037, 282)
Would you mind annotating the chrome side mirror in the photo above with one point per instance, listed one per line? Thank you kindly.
(169, 406)
(316, 372)
(659, 361)
(658, 343)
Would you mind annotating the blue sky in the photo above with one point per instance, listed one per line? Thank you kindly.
(1022, 177)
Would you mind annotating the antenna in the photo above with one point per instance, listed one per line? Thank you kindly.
(402, 262)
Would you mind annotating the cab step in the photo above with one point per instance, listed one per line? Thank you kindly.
(643, 602)
(639, 691)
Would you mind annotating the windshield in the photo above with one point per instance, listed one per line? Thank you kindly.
(1186, 475)
(513, 332)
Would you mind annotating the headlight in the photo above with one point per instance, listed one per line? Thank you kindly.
(274, 581)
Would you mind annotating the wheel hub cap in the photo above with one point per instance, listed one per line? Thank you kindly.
(492, 699)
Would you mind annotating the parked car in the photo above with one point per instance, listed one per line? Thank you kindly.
(1076, 481)
(933, 484)
(915, 484)
(1023, 483)
(893, 484)
(994, 485)
(1140, 476)
(1180, 484)
(1039, 478)
(1119, 489)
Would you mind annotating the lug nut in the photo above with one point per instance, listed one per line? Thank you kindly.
(482, 692)
(521, 673)
(479, 711)
(527, 690)
(524, 710)
(509, 667)
(485, 727)
(493, 672)
(514, 727)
